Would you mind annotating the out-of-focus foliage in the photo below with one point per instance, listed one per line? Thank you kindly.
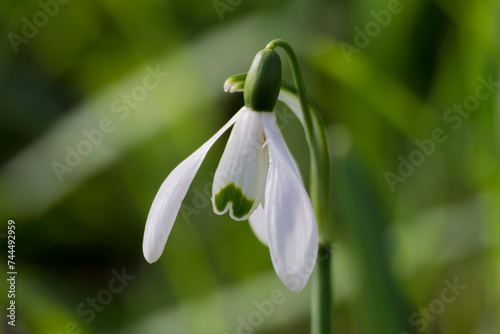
(415, 176)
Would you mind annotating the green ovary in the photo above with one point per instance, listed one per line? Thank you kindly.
(230, 193)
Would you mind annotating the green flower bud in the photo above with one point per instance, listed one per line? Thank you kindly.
(263, 81)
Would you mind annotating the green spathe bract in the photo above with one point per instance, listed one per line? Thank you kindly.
(263, 81)
(231, 193)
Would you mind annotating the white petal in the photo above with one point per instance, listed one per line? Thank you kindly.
(240, 179)
(168, 200)
(258, 223)
(292, 230)
(293, 102)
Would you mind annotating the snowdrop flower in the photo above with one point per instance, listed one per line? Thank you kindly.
(257, 179)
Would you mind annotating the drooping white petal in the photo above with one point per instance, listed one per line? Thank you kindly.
(292, 230)
(258, 223)
(292, 100)
(258, 220)
(168, 200)
(240, 179)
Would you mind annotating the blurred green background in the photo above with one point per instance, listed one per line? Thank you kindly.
(409, 222)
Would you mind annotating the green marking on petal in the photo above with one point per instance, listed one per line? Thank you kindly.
(230, 193)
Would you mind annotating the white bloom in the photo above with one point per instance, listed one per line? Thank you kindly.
(257, 179)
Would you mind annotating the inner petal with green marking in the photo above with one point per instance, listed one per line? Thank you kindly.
(240, 179)
(241, 205)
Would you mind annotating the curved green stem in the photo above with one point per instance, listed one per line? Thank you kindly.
(320, 196)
